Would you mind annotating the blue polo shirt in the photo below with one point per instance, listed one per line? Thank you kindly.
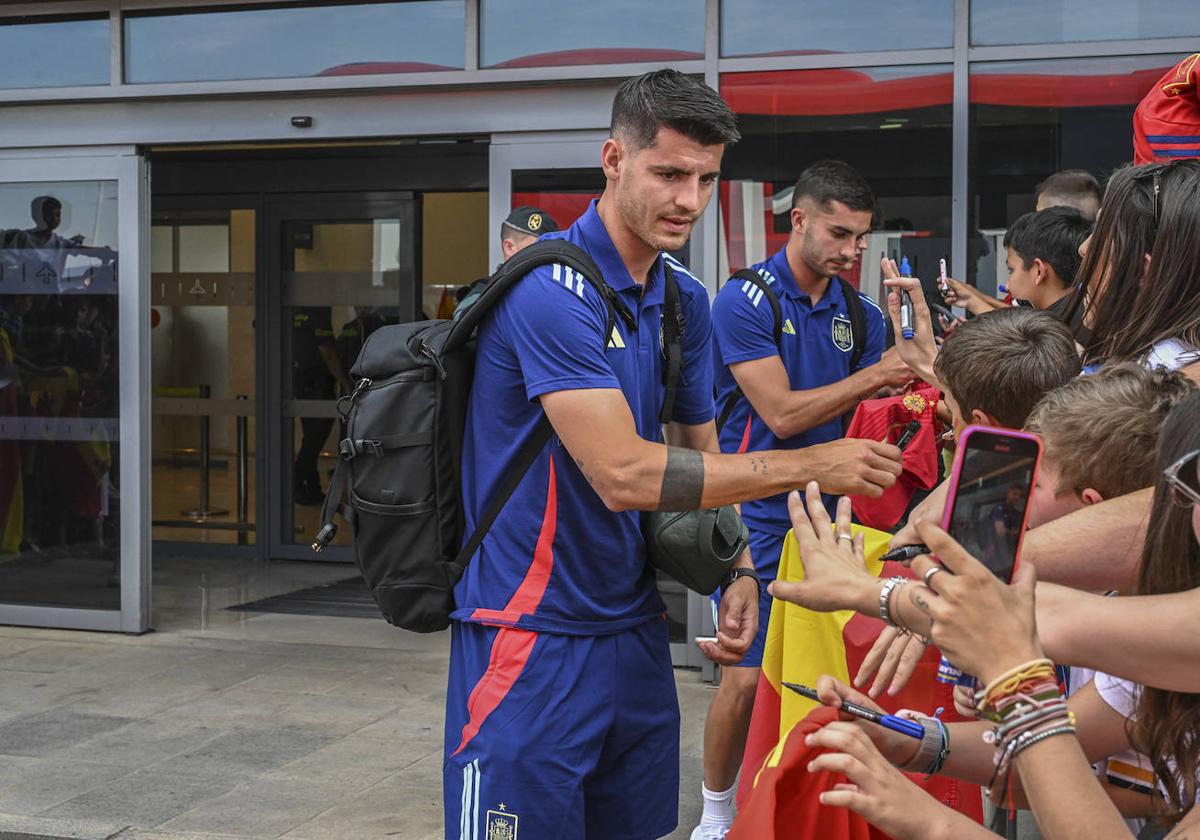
(556, 559)
(816, 351)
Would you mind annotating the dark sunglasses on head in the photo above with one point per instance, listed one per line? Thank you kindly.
(1183, 477)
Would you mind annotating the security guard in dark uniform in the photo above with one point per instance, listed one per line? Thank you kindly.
(520, 230)
(316, 373)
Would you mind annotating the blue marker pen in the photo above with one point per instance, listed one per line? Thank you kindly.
(897, 724)
(906, 304)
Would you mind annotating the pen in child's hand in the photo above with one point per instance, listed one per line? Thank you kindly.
(896, 724)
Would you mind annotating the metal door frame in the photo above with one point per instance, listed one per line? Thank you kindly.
(273, 439)
(126, 166)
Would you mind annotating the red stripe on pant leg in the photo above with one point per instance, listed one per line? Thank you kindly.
(510, 652)
(745, 444)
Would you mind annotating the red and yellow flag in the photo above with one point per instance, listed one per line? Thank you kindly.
(803, 645)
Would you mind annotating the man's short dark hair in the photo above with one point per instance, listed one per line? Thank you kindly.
(1053, 236)
(1070, 187)
(833, 180)
(1003, 362)
(648, 102)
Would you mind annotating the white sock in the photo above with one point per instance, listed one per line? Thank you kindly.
(718, 806)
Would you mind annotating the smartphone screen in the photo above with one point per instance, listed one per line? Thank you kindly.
(990, 496)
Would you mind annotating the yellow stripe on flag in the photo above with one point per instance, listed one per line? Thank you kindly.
(803, 645)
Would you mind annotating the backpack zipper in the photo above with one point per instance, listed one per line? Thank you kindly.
(437, 363)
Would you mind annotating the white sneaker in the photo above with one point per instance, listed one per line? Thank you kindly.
(709, 832)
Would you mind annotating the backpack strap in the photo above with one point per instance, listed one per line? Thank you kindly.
(542, 252)
(512, 477)
(672, 341)
(858, 322)
(749, 275)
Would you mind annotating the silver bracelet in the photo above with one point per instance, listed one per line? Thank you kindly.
(885, 595)
(1023, 744)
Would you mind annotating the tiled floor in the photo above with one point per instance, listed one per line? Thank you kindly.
(238, 725)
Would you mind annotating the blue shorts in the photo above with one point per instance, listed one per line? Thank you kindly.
(561, 736)
(765, 549)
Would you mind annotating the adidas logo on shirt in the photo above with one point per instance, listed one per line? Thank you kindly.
(788, 329)
(615, 342)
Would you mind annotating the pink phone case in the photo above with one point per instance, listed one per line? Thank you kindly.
(957, 469)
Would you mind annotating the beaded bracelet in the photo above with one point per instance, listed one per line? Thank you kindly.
(1026, 743)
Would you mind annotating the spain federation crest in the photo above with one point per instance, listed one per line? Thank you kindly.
(501, 825)
(843, 336)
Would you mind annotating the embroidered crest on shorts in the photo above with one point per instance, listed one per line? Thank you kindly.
(843, 336)
(501, 825)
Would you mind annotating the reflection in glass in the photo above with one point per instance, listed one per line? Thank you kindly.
(1032, 118)
(893, 124)
(59, 479)
(334, 40)
(763, 27)
(528, 33)
(202, 373)
(54, 53)
(1059, 21)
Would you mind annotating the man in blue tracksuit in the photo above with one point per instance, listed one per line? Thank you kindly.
(561, 714)
(795, 391)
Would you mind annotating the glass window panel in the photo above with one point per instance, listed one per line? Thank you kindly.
(1030, 119)
(204, 248)
(758, 27)
(454, 242)
(59, 477)
(54, 53)
(529, 33)
(202, 374)
(162, 249)
(336, 40)
(893, 124)
(1059, 21)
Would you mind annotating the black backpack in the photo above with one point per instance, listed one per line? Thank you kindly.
(401, 459)
(858, 328)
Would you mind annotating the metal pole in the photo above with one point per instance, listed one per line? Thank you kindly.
(243, 471)
(204, 511)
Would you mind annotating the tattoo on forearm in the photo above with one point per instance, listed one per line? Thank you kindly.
(920, 601)
(759, 465)
(586, 474)
(683, 480)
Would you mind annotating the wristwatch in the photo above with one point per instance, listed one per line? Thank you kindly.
(738, 572)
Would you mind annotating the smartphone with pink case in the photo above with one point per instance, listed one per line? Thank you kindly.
(988, 503)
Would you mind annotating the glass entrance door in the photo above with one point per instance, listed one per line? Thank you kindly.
(74, 547)
(339, 268)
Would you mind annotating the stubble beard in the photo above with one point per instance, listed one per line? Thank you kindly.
(812, 259)
(641, 220)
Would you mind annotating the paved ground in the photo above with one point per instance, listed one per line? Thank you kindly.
(238, 726)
